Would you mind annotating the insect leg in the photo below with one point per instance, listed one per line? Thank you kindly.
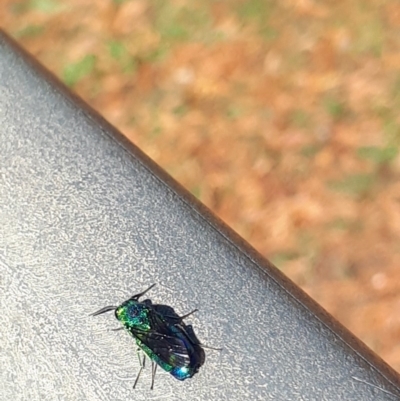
(103, 310)
(141, 363)
(119, 328)
(180, 318)
(137, 296)
(153, 373)
(188, 314)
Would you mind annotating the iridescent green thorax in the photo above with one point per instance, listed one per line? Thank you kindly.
(133, 314)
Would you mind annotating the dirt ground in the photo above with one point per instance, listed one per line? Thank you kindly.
(282, 117)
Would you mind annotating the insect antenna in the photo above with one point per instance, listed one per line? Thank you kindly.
(153, 373)
(103, 310)
(137, 296)
(142, 363)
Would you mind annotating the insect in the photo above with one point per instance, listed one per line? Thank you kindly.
(161, 334)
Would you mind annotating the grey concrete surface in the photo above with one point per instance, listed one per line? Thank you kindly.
(86, 220)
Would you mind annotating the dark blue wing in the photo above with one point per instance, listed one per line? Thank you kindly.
(168, 341)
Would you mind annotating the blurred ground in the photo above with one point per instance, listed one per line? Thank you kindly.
(282, 117)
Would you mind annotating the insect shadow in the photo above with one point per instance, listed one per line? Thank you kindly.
(162, 335)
